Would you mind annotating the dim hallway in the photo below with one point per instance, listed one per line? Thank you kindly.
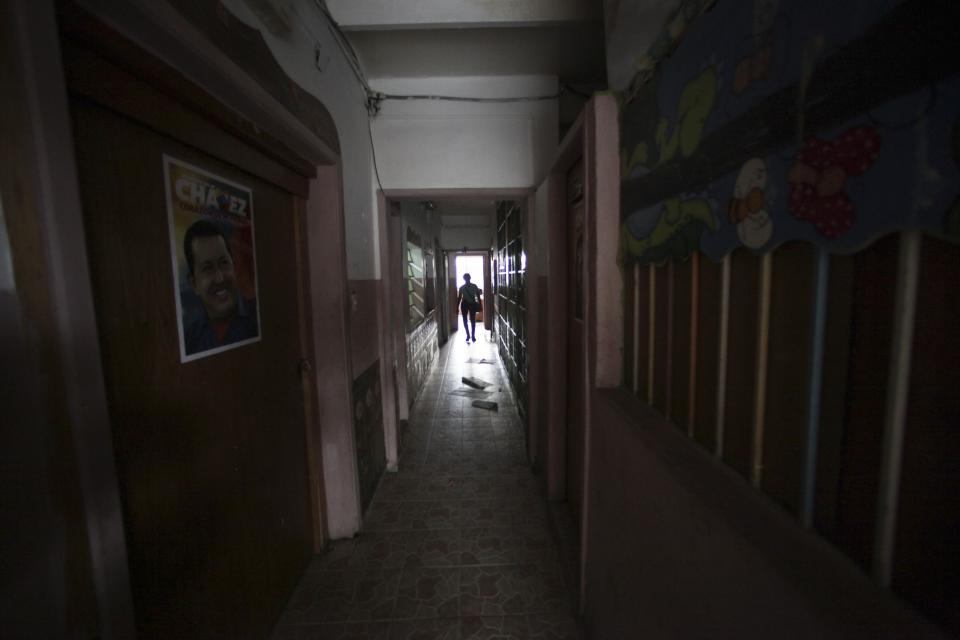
(718, 249)
(456, 545)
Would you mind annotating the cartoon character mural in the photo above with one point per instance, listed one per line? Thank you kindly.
(819, 176)
(748, 208)
(673, 229)
(759, 140)
(756, 66)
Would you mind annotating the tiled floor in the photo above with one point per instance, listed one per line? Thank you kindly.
(456, 546)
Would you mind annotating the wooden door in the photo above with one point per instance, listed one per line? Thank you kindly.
(576, 301)
(211, 453)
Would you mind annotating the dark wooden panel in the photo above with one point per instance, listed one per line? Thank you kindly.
(875, 277)
(240, 42)
(96, 79)
(741, 360)
(833, 398)
(210, 454)
(661, 330)
(788, 372)
(643, 332)
(680, 345)
(629, 319)
(577, 377)
(926, 559)
(708, 352)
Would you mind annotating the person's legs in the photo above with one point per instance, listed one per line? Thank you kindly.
(466, 316)
(473, 324)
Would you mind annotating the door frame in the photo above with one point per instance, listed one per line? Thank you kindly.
(594, 136)
(42, 206)
(454, 286)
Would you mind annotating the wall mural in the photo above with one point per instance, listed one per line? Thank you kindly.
(368, 430)
(756, 123)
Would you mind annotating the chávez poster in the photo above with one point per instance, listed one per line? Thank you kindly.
(214, 260)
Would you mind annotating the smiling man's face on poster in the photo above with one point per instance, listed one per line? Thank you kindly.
(211, 232)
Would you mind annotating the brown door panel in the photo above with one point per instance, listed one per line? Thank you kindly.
(211, 453)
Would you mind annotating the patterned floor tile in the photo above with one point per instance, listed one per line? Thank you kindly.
(445, 450)
(515, 486)
(414, 515)
(549, 626)
(334, 631)
(449, 487)
(444, 438)
(456, 544)
(514, 448)
(501, 590)
(386, 516)
(553, 626)
(507, 423)
(518, 510)
(506, 545)
(428, 592)
(335, 558)
(343, 596)
(479, 448)
(422, 413)
(476, 514)
(494, 628)
(398, 549)
(396, 487)
(448, 408)
(473, 437)
(429, 629)
(447, 424)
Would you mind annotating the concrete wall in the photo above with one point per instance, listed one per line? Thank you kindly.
(471, 231)
(335, 85)
(679, 546)
(429, 144)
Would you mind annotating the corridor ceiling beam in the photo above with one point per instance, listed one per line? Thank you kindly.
(358, 15)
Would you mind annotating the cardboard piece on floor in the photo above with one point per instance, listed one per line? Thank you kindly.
(470, 393)
(476, 383)
(485, 404)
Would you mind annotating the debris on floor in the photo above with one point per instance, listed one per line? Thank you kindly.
(480, 361)
(470, 393)
(485, 404)
(476, 383)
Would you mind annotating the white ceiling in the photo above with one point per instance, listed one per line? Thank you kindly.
(573, 52)
(393, 14)
(422, 38)
(466, 212)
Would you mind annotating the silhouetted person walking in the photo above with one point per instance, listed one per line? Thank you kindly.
(469, 300)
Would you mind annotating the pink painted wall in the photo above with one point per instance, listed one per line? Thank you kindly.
(364, 323)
